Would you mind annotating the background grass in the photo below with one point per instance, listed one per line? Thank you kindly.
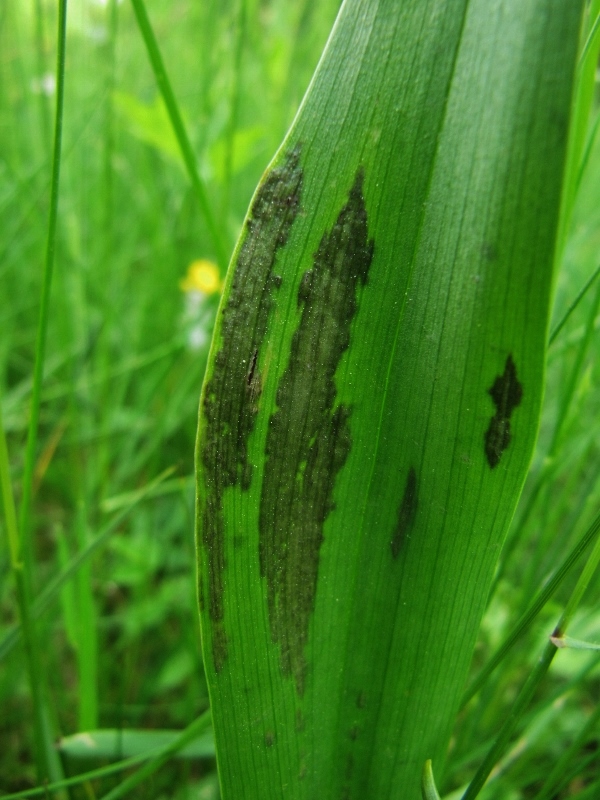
(126, 350)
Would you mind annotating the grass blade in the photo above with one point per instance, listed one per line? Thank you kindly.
(533, 610)
(535, 678)
(582, 293)
(187, 152)
(46, 761)
(40, 349)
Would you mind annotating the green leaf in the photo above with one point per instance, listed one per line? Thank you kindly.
(373, 392)
(428, 787)
(117, 744)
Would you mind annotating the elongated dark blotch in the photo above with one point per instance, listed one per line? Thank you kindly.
(232, 394)
(507, 393)
(309, 436)
(406, 513)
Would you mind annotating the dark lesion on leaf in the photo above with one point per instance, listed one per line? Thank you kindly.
(231, 397)
(269, 738)
(507, 393)
(309, 435)
(406, 513)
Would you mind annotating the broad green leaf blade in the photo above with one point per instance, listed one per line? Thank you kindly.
(373, 392)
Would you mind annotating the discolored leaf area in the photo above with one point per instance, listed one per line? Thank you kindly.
(373, 392)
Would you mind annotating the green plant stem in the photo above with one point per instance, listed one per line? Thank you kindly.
(591, 43)
(558, 771)
(23, 571)
(534, 679)
(10, 516)
(87, 636)
(574, 376)
(187, 735)
(185, 146)
(234, 108)
(574, 304)
(588, 150)
(10, 513)
(40, 349)
(531, 613)
(582, 103)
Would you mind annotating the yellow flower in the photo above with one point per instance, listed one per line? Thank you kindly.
(202, 276)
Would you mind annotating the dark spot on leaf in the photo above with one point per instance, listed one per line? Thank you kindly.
(353, 733)
(299, 720)
(252, 368)
(489, 251)
(346, 793)
(406, 512)
(219, 643)
(231, 396)
(361, 700)
(507, 393)
(269, 739)
(309, 436)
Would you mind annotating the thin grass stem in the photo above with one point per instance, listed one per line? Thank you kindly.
(533, 610)
(8, 502)
(567, 398)
(537, 675)
(187, 152)
(587, 152)
(40, 349)
(591, 43)
(583, 291)
(234, 108)
(46, 762)
(551, 784)
(23, 600)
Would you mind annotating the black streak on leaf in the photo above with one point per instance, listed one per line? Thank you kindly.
(406, 512)
(231, 396)
(309, 439)
(506, 392)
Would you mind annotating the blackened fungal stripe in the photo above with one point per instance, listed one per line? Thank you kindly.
(231, 396)
(507, 393)
(406, 512)
(309, 440)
